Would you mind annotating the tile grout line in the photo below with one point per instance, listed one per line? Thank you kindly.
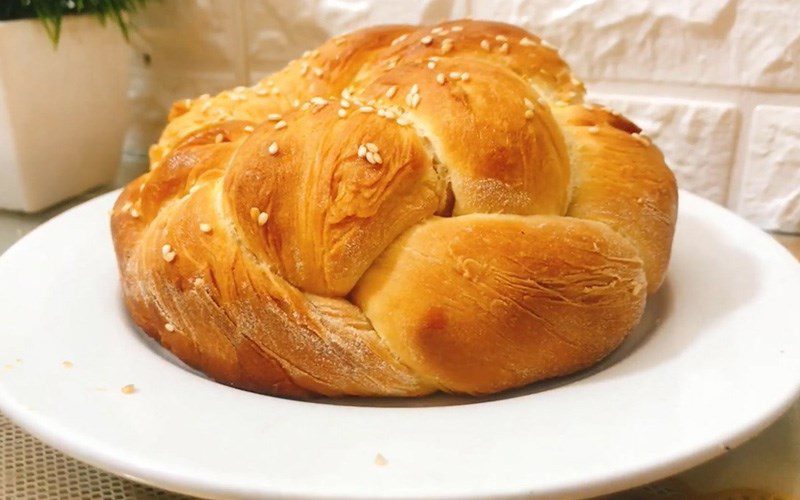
(738, 172)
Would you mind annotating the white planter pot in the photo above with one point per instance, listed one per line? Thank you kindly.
(63, 111)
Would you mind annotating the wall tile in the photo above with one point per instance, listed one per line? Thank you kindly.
(770, 192)
(717, 42)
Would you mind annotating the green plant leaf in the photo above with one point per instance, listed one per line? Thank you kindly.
(51, 12)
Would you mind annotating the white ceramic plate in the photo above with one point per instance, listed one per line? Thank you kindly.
(716, 359)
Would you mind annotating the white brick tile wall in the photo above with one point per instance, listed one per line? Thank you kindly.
(770, 189)
(716, 42)
(716, 83)
(698, 138)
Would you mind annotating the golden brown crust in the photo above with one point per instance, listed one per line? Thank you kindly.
(482, 303)
(403, 210)
(621, 180)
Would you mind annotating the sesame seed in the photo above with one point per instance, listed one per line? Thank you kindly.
(455, 75)
(296, 103)
(402, 121)
(548, 45)
(318, 101)
(464, 76)
(593, 129)
(431, 65)
(198, 281)
(169, 327)
(391, 63)
(281, 124)
(206, 228)
(219, 138)
(440, 79)
(541, 101)
(318, 72)
(273, 148)
(415, 100)
(187, 103)
(399, 39)
(195, 188)
(126, 206)
(414, 89)
(303, 69)
(254, 211)
(263, 217)
(501, 38)
(503, 48)
(346, 93)
(168, 253)
(528, 103)
(485, 45)
(447, 45)
(135, 213)
(528, 114)
(204, 97)
(344, 103)
(456, 28)
(342, 113)
(259, 92)
(307, 53)
(371, 147)
(362, 151)
(249, 128)
(370, 157)
(273, 117)
(128, 389)
(426, 40)
(239, 88)
(377, 158)
(305, 106)
(437, 30)
(206, 105)
(366, 109)
(391, 91)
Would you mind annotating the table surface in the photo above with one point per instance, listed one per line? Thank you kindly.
(768, 466)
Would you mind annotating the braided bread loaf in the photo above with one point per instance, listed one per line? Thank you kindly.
(401, 211)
